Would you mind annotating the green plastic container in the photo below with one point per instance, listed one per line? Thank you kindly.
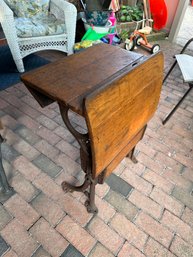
(92, 35)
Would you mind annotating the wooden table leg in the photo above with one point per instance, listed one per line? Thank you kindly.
(6, 190)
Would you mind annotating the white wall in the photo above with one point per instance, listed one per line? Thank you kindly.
(171, 8)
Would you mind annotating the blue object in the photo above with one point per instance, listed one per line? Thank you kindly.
(104, 40)
(9, 74)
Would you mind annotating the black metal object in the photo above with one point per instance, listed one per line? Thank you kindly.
(86, 164)
(5, 189)
(177, 105)
(187, 92)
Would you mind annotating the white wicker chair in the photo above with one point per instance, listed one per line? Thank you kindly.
(21, 47)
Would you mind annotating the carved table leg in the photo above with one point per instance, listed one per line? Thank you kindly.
(90, 203)
(5, 190)
(86, 164)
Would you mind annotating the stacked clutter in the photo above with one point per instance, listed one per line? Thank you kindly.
(100, 24)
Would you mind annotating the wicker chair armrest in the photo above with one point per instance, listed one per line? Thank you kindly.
(67, 12)
(5, 11)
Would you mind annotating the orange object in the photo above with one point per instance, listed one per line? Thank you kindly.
(159, 13)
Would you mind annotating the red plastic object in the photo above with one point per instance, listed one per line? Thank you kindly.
(159, 13)
(192, 3)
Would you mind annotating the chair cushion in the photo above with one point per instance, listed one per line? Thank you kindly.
(39, 26)
(29, 8)
(185, 63)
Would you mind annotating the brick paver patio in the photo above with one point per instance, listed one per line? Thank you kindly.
(145, 209)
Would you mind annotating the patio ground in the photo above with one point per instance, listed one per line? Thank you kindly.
(149, 213)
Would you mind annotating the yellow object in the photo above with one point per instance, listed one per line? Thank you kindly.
(83, 44)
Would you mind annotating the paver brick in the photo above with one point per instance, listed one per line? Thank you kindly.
(184, 159)
(137, 182)
(121, 204)
(102, 190)
(47, 122)
(49, 238)
(48, 209)
(26, 168)
(100, 251)
(9, 153)
(167, 201)
(11, 137)
(75, 209)
(105, 210)
(30, 100)
(176, 178)
(129, 231)
(21, 210)
(154, 229)
(146, 149)
(27, 135)
(25, 108)
(155, 249)
(41, 253)
(48, 135)
(3, 246)
(183, 196)
(188, 174)
(105, 235)
(129, 250)
(150, 163)
(118, 184)
(14, 113)
(26, 149)
(68, 149)
(168, 161)
(159, 145)
(76, 235)
(176, 225)
(46, 165)
(24, 187)
(3, 104)
(5, 217)
(68, 164)
(181, 248)
(71, 251)
(63, 132)
(48, 186)
(188, 216)
(136, 168)
(11, 254)
(146, 204)
(9, 122)
(45, 148)
(178, 129)
(19, 239)
(158, 181)
(29, 123)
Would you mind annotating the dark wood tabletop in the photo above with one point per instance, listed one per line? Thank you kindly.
(70, 79)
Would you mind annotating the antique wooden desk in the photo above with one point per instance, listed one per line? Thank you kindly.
(117, 93)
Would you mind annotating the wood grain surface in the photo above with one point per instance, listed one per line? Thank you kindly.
(119, 110)
(70, 79)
